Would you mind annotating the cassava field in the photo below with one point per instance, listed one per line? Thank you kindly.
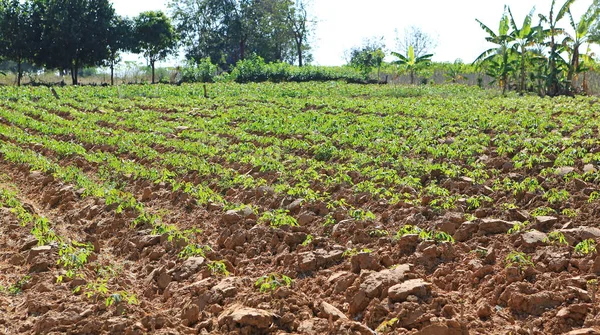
(297, 208)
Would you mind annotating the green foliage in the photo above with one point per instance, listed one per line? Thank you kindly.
(425, 235)
(308, 240)
(192, 250)
(593, 196)
(73, 34)
(230, 31)
(254, 69)
(518, 227)
(353, 252)
(18, 33)
(556, 238)
(554, 196)
(155, 35)
(367, 57)
(542, 211)
(411, 62)
(272, 281)
(73, 257)
(218, 268)
(202, 71)
(518, 259)
(387, 326)
(585, 247)
(278, 218)
(17, 287)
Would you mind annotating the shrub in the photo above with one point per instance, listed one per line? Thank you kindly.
(202, 71)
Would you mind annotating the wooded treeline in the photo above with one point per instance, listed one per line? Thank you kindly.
(68, 35)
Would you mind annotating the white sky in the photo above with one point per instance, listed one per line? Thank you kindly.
(342, 24)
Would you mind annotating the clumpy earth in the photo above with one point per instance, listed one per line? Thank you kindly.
(209, 267)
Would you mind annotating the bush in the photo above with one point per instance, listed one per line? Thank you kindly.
(255, 69)
(202, 71)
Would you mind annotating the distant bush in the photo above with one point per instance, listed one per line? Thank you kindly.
(255, 69)
(199, 72)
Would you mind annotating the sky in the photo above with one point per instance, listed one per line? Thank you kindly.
(343, 24)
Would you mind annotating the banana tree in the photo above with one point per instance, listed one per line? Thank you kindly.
(499, 54)
(577, 39)
(524, 37)
(412, 63)
(555, 59)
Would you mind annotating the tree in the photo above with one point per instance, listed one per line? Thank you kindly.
(298, 21)
(368, 56)
(411, 62)
(18, 34)
(230, 30)
(421, 42)
(155, 36)
(75, 34)
(498, 56)
(120, 39)
(580, 36)
(523, 38)
(554, 58)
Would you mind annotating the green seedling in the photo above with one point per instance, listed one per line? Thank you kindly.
(272, 281)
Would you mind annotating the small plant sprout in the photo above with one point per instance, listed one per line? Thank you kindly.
(585, 247)
(518, 227)
(353, 252)
(556, 238)
(386, 326)
(408, 230)
(441, 236)
(192, 250)
(480, 252)
(555, 196)
(470, 217)
(518, 259)
(378, 233)
(594, 196)
(218, 268)
(17, 287)
(278, 218)
(542, 211)
(272, 281)
(570, 213)
(308, 240)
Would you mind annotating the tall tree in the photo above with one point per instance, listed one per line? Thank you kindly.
(299, 23)
(230, 30)
(155, 36)
(421, 42)
(499, 55)
(18, 35)
(580, 35)
(120, 39)
(523, 38)
(75, 34)
(554, 57)
(364, 58)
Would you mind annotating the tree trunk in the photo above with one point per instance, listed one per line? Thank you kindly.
(573, 67)
(522, 84)
(412, 77)
(152, 65)
(112, 74)
(242, 48)
(74, 73)
(19, 72)
(299, 48)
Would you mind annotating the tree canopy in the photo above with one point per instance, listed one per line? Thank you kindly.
(155, 36)
(230, 30)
